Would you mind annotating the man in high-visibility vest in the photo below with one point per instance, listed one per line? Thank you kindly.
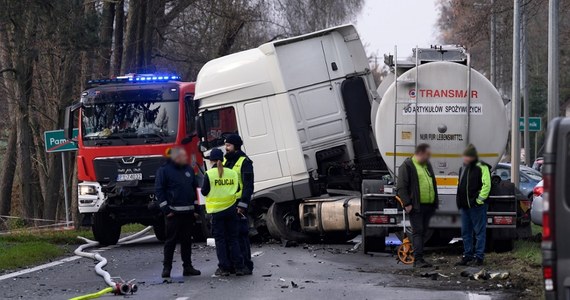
(220, 188)
(472, 193)
(238, 161)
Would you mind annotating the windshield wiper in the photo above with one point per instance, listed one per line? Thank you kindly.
(152, 138)
(120, 137)
(103, 143)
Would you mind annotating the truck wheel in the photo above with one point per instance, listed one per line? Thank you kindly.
(283, 222)
(374, 244)
(159, 229)
(105, 229)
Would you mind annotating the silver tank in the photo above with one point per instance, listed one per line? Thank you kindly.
(437, 114)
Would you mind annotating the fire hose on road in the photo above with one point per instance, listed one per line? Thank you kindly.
(116, 284)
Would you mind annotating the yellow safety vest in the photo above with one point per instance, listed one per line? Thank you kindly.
(237, 169)
(223, 190)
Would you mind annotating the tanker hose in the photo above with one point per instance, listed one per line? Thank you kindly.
(119, 288)
(94, 295)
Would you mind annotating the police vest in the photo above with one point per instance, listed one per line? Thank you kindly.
(223, 190)
(237, 169)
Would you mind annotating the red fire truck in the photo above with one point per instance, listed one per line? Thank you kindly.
(126, 126)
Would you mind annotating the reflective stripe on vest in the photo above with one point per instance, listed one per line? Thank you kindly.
(223, 190)
(237, 169)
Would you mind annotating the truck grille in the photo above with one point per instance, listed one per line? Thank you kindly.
(108, 169)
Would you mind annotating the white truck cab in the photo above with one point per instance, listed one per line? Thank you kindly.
(302, 107)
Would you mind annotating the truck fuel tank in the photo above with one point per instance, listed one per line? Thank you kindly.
(330, 214)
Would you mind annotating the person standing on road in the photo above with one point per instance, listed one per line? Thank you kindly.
(238, 161)
(220, 187)
(473, 190)
(418, 190)
(175, 190)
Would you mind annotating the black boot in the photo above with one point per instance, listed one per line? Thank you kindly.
(422, 263)
(220, 272)
(166, 272)
(190, 271)
(465, 261)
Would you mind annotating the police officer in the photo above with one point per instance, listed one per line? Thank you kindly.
(220, 187)
(175, 189)
(238, 161)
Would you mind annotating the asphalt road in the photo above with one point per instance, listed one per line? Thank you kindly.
(303, 272)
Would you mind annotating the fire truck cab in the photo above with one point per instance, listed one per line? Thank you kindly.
(126, 127)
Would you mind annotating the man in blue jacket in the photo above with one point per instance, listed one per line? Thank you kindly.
(175, 190)
(238, 161)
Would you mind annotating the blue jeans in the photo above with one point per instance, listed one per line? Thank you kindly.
(474, 222)
(225, 231)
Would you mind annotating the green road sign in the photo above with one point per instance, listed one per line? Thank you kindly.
(534, 124)
(55, 141)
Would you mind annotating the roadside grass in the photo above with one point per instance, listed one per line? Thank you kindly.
(58, 237)
(528, 251)
(132, 228)
(18, 255)
(29, 247)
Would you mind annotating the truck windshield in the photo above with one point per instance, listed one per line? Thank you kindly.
(218, 125)
(130, 115)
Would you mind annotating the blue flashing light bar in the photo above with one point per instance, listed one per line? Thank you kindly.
(133, 78)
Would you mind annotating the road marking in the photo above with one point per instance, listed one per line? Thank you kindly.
(49, 265)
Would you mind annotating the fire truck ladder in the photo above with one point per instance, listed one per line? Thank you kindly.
(401, 148)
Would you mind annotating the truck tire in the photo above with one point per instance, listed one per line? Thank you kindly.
(374, 244)
(159, 229)
(105, 229)
(283, 223)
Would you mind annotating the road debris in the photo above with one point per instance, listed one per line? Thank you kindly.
(257, 254)
(433, 275)
(482, 274)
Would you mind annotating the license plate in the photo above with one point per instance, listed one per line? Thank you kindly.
(390, 211)
(129, 177)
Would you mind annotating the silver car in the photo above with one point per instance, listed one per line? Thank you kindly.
(536, 208)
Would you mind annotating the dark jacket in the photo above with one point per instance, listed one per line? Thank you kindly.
(246, 176)
(408, 187)
(474, 183)
(175, 188)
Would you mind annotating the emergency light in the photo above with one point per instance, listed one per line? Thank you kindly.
(135, 78)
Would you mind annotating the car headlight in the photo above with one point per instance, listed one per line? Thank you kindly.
(87, 190)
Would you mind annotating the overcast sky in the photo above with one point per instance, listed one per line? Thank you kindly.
(405, 23)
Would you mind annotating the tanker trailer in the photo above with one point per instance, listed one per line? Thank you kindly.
(439, 100)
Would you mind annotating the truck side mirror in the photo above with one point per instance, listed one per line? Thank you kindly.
(200, 127)
(69, 120)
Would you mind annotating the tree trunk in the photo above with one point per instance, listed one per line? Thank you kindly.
(149, 34)
(106, 38)
(140, 46)
(130, 48)
(119, 31)
(8, 172)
